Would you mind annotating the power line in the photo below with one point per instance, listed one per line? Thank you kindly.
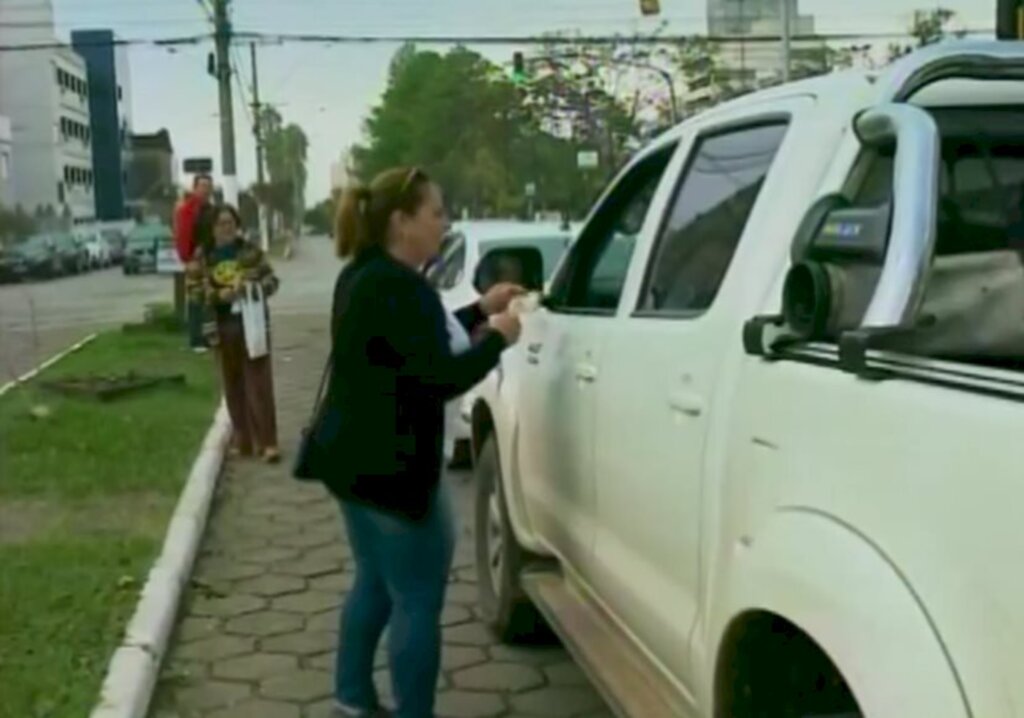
(527, 40)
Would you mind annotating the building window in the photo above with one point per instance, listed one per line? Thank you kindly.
(5, 165)
(60, 192)
(120, 93)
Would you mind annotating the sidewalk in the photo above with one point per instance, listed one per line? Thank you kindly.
(257, 630)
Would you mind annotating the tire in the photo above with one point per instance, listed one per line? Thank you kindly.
(500, 559)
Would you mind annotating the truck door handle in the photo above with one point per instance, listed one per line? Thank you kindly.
(686, 403)
(586, 372)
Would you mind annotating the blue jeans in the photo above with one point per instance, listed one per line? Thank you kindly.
(196, 316)
(401, 575)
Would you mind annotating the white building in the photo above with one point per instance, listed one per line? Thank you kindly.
(45, 94)
(740, 29)
(6, 163)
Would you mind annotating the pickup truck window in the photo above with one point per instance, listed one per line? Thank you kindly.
(594, 275)
(713, 201)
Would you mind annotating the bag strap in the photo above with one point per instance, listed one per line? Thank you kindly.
(322, 389)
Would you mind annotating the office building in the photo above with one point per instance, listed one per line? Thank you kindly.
(44, 92)
(744, 32)
(152, 187)
(109, 116)
(6, 163)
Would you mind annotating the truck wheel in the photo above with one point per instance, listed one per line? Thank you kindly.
(499, 558)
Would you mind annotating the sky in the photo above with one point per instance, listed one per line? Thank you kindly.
(329, 90)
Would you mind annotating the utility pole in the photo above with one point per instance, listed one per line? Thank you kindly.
(222, 36)
(257, 112)
(787, 35)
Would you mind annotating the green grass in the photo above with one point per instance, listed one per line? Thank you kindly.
(85, 496)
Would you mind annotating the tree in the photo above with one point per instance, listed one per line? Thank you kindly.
(286, 150)
(15, 225)
(927, 28)
(320, 217)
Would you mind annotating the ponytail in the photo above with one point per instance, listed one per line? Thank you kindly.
(364, 214)
(352, 235)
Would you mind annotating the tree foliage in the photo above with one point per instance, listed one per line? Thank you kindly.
(286, 151)
(485, 138)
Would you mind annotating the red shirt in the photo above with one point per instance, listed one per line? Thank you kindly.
(186, 216)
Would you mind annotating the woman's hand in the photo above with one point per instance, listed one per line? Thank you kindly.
(508, 325)
(226, 295)
(499, 297)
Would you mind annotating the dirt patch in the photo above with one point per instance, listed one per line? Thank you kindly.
(138, 514)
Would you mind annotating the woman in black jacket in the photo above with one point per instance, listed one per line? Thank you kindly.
(383, 428)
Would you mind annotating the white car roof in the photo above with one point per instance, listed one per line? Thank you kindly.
(483, 230)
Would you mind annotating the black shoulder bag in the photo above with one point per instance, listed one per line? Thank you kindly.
(310, 458)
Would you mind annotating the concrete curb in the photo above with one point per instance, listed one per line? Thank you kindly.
(46, 364)
(132, 672)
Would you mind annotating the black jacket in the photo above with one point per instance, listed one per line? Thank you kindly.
(382, 426)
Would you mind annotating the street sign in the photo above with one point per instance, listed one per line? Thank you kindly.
(531, 189)
(587, 159)
(198, 165)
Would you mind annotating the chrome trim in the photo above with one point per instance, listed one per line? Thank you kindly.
(916, 169)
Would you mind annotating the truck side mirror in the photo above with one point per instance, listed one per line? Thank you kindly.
(521, 265)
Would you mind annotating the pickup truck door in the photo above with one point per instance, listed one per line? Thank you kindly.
(563, 341)
(662, 358)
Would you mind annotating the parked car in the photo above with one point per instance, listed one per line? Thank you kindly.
(97, 248)
(72, 252)
(40, 256)
(463, 263)
(115, 239)
(770, 464)
(141, 248)
(13, 265)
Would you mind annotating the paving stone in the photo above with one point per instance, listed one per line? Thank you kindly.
(195, 628)
(306, 643)
(254, 667)
(463, 704)
(324, 621)
(265, 623)
(557, 702)
(498, 677)
(455, 614)
(468, 634)
(224, 570)
(307, 602)
(273, 555)
(216, 648)
(270, 584)
(462, 593)
(227, 606)
(299, 686)
(211, 694)
(322, 661)
(456, 657)
(466, 575)
(296, 539)
(337, 582)
(259, 708)
(309, 568)
(566, 673)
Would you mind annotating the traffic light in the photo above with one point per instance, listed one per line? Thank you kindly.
(1010, 19)
(650, 7)
(518, 67)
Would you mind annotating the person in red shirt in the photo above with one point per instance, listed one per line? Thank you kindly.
(188, 217)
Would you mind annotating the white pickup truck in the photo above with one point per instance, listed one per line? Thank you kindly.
(761, 451)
